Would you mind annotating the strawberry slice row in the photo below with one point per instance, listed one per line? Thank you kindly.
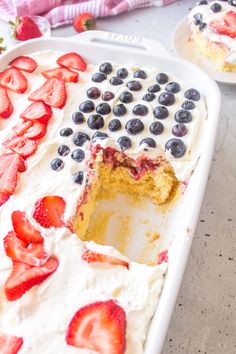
(10, 344)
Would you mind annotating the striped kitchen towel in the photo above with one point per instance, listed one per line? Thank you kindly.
(62, 12)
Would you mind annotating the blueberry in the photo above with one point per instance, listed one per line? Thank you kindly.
(134, 85)
(183, 116)
(149, 142)
(215, 7)
(197, 19)
(154, 88)
(63, 150)
(166, 98)
(105, 68)
(176, 147)
(179, 130)
(192, 94)
(162, 78)
(78, 118)
(103, 108)
(232, 2)
(99, 135)
(160, 112)
(99, 77)
(124, 142)
(134, 126)
(202, 26)
(140, 74)
(126, 97)
(156, 128)
(202, 2)
(80, 138)
(78, 177)
(149, 97)
(115, 81)
(78, 155)
(86, 106)
(95, 121)
(189, 105)
(173, 87)
(93, 92)
(122, 73)
(114, 125)
(140, 110)
(119, 110)
(66, 131)
(108, 95)
(57, 164)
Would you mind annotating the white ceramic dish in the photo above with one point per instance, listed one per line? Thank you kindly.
(185, 50)
(178, 225)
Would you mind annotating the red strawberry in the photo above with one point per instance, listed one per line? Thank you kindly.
(64, 74)
(49, 211)
(21, 145)
(25, 28)
(84, 22)
(6, 160)
(99, 326)
(52, 92)
(23, 228)
(10, 344)
(30, 129)
(23, 277)
(5, 104)
(91, 257)
(24, 63)
(14, 80)
(9, 166)
(72, 61)
(226, 25)
(162, 257)
(21, 128)
(37, 111)
(4, 198)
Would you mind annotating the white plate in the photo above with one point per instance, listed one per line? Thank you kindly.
(185, 50)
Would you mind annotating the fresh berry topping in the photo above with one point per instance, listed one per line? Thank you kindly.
(95, 121)
(122, 73)
(162, 257)
(23, 277)
(84, 21)
(52, 92)
(31, 130)
(99, 136)
(87, 106)
(94, 257)
(166, 98)
(154, 88)
(124, 142)
(225, 25)
(105, 68)
(189, 105)
(78, 118)
(216, 7)
(12, 79)
(183, 116)
(78, 177)
(140, 74)
(21, 145)
(115, 81)
(197, 19)
(72, 61)
(63, 150)
(78, 155)
(156, 128)
(6, 108)
(231, 2)
(134, 126)
(24, 63)
(134, 85)
(49, 211)
(119, 110)
(103, 108)
(64, 74)
(176, 147)
(149, 97)
(126, 97)
(10, 344)
(160, 112)
(179, 130)
(202, 26)
(9, 167)
(140, 110)
(99, 77)
(66, 131)
(80, 138)
(108, 95)
(57, 164)
(173, 87)
(4, 198)
(162, 78)
(202, 2)
(100, 327)
(24, 229)
(114, 125)
(37, 111)
(93, 92)
(25, 28)
(149, 142)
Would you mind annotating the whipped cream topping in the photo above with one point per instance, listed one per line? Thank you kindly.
(207, 17)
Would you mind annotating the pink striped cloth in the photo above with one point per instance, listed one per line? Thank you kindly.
(62, 12)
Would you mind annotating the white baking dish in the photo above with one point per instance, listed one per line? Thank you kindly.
(179, 224)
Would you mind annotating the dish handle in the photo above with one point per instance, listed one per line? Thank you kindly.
(123, 40)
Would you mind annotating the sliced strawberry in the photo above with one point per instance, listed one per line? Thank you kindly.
(24, 63)
(72, 61)
(99, 326)
(10, 344)
(92, 257)
(31, 130)
(37, 111)
(6, 108)
(52, 92)
(21, 128)
(162, 257)
(64, 74)
(4, 198)
(23, 228)
(84, 21)
(49, 211)
(23, 277)
(25, 28)
(29, 253)
(9, 166)
(6, 160)
(21, 145)
(14, 80)
(225, 25)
